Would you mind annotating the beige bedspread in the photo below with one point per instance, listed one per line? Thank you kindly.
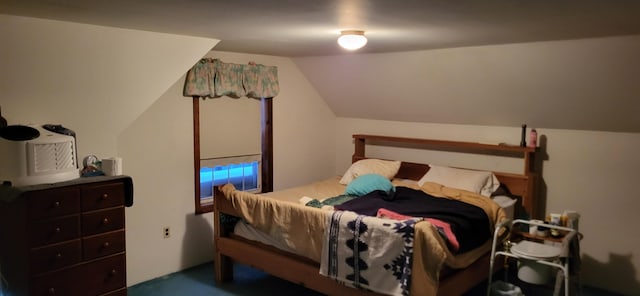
(301, 228)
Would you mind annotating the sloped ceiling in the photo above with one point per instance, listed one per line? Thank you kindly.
(590, 84)
(489, 62)
(95, 79)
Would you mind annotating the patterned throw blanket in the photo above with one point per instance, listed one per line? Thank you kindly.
(368, 252)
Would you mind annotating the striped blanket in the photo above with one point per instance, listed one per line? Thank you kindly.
(368, 252)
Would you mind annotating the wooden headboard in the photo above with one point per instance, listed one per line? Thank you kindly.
(522, 185)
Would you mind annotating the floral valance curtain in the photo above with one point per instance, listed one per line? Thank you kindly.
(213, 78)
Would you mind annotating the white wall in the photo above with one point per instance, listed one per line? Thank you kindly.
(594, 173)
(157, 151)
(95, 80)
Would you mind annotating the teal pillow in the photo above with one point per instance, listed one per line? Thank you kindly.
(368, 183)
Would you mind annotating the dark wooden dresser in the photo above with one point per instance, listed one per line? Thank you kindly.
(65, 238)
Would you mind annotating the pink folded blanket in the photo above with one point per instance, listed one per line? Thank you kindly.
(443, 227)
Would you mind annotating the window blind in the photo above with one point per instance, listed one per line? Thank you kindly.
(229, 127)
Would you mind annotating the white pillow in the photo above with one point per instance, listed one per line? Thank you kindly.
(506, 203)
(387, 168)
(481, 182)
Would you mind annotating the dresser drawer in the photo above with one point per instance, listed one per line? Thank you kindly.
(102, 221)
(105, 275)
(53, 203)
(64, 283)
(102, 196)
(103, 245)
(54, 230)
(55, 256)
(89, 279)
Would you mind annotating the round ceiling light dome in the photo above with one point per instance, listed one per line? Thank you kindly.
(352, 39)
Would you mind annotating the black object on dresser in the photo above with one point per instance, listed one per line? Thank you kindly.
(66, 238)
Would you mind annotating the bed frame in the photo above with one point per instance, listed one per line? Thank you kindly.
(300, 270)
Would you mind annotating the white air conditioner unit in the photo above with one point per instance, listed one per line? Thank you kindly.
(32, 155)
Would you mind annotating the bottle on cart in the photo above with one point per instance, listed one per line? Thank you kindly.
(533, 138)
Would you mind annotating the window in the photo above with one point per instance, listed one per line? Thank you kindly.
(263, 168)
(243, 172)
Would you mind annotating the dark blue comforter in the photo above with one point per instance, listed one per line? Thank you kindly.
(469, 223)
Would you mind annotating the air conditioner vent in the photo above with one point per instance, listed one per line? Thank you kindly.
(54, 157)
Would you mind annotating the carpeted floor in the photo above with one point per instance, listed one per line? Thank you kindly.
(199, 280)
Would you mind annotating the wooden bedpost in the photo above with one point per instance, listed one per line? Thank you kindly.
(359, 148)
(223, 264)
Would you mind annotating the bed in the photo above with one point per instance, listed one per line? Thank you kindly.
(436, 270)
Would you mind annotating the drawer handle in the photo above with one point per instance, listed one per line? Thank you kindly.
(113, 272)
(57, 230)
(59, 256)
(52, 291)
(56, 204)
(106, 245)
(105, 221)
(105, 196)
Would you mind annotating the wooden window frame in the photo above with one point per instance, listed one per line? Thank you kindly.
(267, 150)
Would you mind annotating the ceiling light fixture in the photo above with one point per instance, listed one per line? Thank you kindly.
(352, 39)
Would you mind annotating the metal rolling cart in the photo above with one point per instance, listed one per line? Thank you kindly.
(556, 253)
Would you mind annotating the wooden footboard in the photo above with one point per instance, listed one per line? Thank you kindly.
(305, 272)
